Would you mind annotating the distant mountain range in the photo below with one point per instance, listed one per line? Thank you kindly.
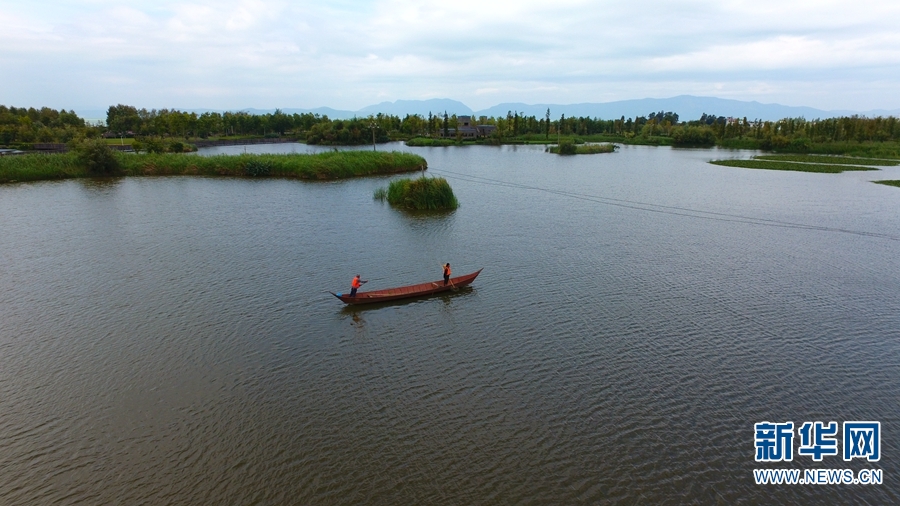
(687, 107)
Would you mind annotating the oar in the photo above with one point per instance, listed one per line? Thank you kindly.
(361, 283)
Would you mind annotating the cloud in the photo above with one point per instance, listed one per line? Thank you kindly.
(348, 54)
(784, 52)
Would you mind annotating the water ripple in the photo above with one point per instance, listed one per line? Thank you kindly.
(170, 340)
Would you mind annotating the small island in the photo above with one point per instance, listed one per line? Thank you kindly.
(568, 147)
(422, 194)
(95, 159)
(807, 163)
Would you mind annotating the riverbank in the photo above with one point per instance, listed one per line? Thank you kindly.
(321, 166)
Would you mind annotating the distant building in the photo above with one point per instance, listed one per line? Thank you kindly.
(467, 130)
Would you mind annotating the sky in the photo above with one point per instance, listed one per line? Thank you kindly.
(236, 54)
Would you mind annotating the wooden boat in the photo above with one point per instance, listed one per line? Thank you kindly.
(404, 292)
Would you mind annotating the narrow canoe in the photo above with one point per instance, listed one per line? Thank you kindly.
(408, 291)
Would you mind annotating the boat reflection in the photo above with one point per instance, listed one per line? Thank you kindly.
(447, 296)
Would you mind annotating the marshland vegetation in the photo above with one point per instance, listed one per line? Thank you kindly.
(830, 160)
(157, 130)
(809, 163)
(92, 161)
(829, 168)
(569, 147)
(420, 194)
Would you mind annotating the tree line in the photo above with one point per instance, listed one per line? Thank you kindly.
(21, 125)
(18, 125)
(798, 133)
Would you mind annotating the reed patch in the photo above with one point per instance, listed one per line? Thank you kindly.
(791, 166)
(421, 194)
(329, 165)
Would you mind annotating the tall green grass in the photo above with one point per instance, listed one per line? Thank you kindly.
(829, 160)
(569, 148)
(419, 194)
(886, 149)
(428, 141)
(793, 166)
(889, 182)
(40, 167)
(329, 165)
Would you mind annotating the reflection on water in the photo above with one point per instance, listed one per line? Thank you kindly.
(447, 297)
(171, 340)
(100, 183)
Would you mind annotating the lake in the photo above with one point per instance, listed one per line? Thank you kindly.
(172, 340)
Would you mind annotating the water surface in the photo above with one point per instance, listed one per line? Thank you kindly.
(171, 340)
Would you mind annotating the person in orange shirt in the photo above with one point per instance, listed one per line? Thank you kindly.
(446, 273)
(355, 284)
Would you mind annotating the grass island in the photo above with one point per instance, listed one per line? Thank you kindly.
(321, 166)
(807, 163)
(568, 147)
(421, 194)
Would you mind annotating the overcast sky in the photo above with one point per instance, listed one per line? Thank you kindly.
(234, 54)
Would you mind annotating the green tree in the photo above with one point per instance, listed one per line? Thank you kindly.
(280, 122)
(96, 157)
(123, 118)
(693, 136)
(547, 124)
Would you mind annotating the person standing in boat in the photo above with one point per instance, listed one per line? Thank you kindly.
(355, 284)
(446, 273)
